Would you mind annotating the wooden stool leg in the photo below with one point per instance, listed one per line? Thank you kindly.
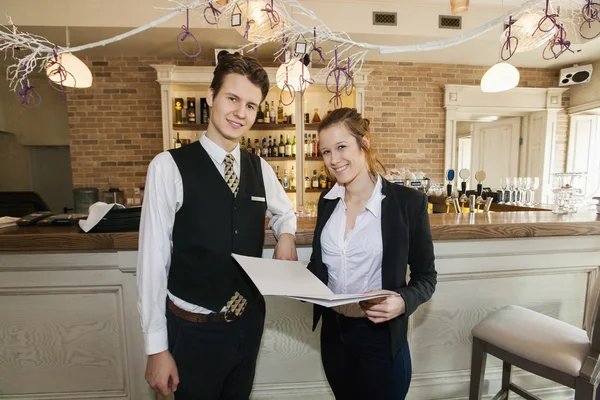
(478, 358)
(584, 390)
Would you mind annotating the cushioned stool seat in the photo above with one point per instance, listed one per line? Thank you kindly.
(536, 337)
(541, 345)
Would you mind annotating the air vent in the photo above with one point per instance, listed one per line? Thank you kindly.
(450, 22)
(385, 18)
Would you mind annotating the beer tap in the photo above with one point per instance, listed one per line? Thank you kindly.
(480, 177)
(450, 178)
(465, 175)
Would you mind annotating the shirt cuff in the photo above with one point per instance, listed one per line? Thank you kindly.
(291, 231)
(156, 342)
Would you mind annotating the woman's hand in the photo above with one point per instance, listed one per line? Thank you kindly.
(383, 309)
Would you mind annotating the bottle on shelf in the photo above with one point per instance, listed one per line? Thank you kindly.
(288, 146)
(249, 148)
(294, 147)
(204, 114)
(272, 113)
(293, 179)
(270, 148)
(315, 180)
(280, 113)
(307, 182)
(329, 183)
(285, 118)
(178, 143)
(184, 115)
(191, 110)
(257, 148)
(260, 117)
(275, 148)
(281, 150)
(265, 148)
(278, 177)
(314, 151)
(323, 179)
(307, 151)
(286, 180)
(316, 119)
(243, 144)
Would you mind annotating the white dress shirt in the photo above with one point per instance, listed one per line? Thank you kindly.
(163, 197)
(354, 260)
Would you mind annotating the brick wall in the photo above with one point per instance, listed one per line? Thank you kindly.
(115, 125)
(405, 104)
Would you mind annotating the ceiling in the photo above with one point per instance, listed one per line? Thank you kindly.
(95, 20)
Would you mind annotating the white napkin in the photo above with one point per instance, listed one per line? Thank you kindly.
(96, 212)
(5, 222)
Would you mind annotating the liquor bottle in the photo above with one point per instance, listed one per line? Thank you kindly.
(293, 179)
(307, 151)
(178, 110)
(280, 113)
(178, 143)
(260, 117)
(184, 115)
(266, 112)
(288, 146)
(323, 179)
(257, 148)
(265, 149)
(294, 147)
(243, 144)
(204, 114)
(286, 180)
(329, 183)
(316, 119)
(272, 113)
(315, 180)
(315, 146)
(270, 148)
(191, 110)
(306, 179)
(275, 149)
(285, 118)
(281, 150)
(249, 148)
(278, 177)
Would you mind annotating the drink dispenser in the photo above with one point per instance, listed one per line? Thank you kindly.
(114, 195)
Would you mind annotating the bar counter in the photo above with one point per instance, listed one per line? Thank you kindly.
(69, 300)
(494, 225)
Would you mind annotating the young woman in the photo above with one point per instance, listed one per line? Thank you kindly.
(368, 230)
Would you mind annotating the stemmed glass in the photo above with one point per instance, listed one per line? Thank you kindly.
(535, 184)
(522, 185)
(510, 185)
(503, 184)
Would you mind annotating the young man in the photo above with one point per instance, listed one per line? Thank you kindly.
(202, 318)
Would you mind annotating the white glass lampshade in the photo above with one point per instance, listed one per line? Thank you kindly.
(295, 71)
(260, 30)
(525, 29)
(499, 78)
(78, 74)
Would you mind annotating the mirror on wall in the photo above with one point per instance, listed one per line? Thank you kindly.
(489, 144)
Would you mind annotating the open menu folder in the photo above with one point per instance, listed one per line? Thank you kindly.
(292, 279)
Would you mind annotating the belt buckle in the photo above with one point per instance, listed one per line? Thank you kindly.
(230, 316)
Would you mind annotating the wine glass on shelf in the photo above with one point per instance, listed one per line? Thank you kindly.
(522, 185)
(510, 187)
(535, 185)
(503, 185)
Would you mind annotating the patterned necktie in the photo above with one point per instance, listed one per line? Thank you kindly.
(230, 177)
(237, 303)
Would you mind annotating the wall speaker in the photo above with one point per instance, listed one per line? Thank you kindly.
(575, 75)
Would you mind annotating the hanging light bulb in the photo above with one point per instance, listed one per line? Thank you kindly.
(77, 74)
(459, 7)
(525, 29)
(260, 21)
(297, 75)
(499, 78)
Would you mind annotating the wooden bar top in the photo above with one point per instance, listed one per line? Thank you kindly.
(443, 226)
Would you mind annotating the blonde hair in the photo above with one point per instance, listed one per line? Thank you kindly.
(360, 128)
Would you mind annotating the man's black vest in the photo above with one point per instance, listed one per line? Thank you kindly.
(211, 224)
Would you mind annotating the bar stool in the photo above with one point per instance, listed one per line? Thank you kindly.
(541, 345)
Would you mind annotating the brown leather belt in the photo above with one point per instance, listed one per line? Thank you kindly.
(223, 316)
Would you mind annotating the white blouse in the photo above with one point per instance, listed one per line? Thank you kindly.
(353, 262)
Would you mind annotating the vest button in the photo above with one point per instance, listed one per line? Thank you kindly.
(236, 231)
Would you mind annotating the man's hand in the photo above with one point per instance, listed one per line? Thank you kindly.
(383, 309)
(286, 248)
(161, 373)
